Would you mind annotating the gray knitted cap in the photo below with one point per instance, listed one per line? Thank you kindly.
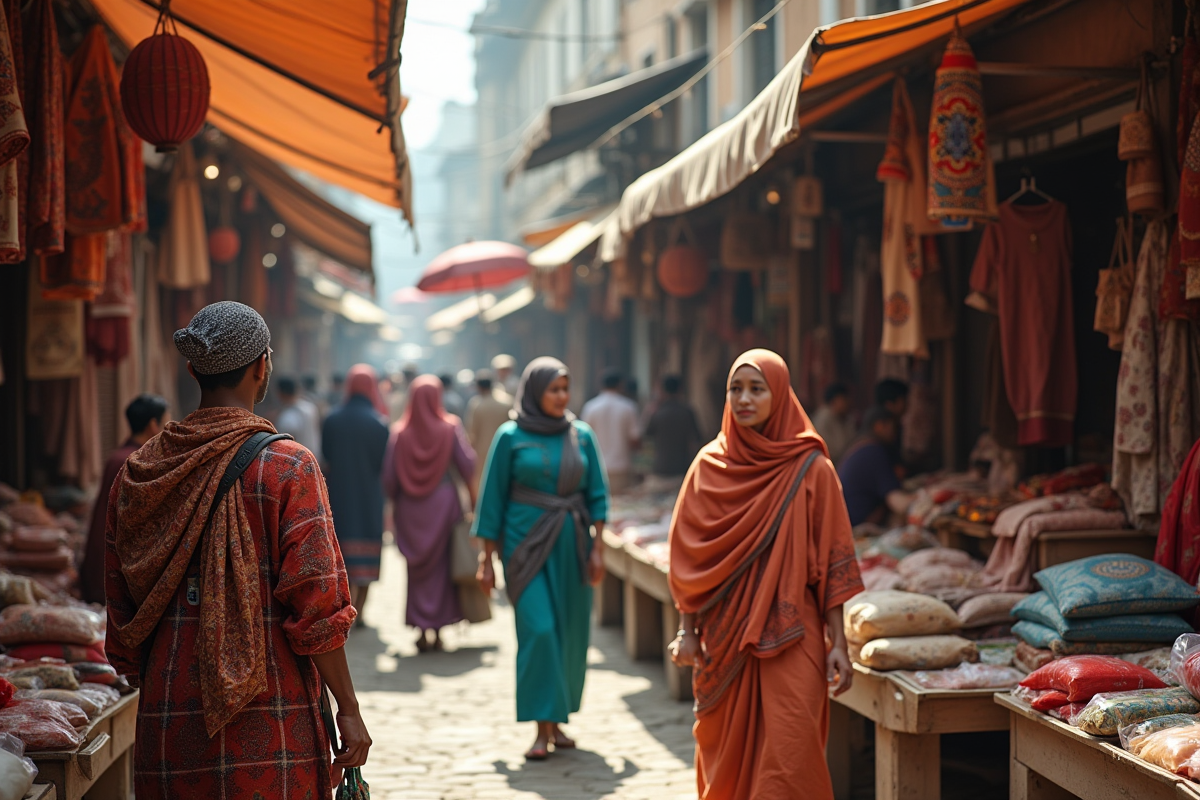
(222, 337)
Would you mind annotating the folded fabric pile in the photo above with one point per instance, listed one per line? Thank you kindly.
(889, 630)
(1017, 528)
(878, 556)
(39, 544)
(1108, 604)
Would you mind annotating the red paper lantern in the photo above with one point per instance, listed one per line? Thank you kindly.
(164, 88)
(683, 270)
(224, 244)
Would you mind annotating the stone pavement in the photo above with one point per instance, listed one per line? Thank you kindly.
(443, 723)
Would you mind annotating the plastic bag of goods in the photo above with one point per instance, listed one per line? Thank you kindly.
(1185, 662)
(70, 653)
(1083, 677)
(1173, 748)
(916, 652)
(78, 699)
(43, 724)
(22, 624)
(16, 771)
(1106, 713)
(912, 565)
(970, 676)
(997, 652)
(885, 614)
(994, 608)
(1133, 735)
(1030, 658)
(16, 590)
(53, 676)
(1043, 700)
(899, 542)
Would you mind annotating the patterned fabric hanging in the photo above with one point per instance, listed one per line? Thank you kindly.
(959, 181)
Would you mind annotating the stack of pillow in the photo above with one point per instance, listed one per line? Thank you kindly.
(1109, 604)
(903, 630)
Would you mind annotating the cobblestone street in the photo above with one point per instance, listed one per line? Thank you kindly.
(443, 723)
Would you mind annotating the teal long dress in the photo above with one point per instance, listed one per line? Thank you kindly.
(554, 612)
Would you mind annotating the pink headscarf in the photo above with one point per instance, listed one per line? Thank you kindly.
(424, 439)
(363, 380)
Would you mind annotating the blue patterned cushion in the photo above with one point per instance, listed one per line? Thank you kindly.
(1035, 635)
(1039, 608)
(1116, 584)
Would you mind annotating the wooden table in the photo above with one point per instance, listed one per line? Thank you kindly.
(635, 592)
(103, 765)
(1053, 761)
(1053, 547)
(909, 722)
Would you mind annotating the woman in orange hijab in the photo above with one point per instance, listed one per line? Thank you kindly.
(762, 559)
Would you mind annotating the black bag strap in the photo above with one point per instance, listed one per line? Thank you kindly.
(244, 458)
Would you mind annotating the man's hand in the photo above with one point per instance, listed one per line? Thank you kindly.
(838, 671)
(685, 651)
(595, 566)
(355, 740)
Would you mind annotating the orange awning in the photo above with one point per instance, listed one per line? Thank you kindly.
(306, 82)
(837, 65)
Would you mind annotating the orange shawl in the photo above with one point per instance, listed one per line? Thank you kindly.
(165, 498)
(730, 498)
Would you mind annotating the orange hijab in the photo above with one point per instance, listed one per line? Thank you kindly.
(732, 494)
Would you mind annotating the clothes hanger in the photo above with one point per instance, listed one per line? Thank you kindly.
(1029, 187)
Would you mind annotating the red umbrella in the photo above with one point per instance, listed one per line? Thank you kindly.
(409, 295)
(475, 266)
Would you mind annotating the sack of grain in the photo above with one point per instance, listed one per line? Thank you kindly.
(876, 615)
(917, 652)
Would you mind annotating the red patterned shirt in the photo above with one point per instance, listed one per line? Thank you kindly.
(276, 746)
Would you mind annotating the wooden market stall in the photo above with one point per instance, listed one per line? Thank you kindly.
(101, 767)
(1052, 760)
(909, 722)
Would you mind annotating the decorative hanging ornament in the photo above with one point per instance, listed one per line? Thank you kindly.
(224, 244)
(958, 157)
(164, 86)
(683, 270)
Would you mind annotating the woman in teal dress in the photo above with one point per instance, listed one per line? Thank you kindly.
(543, 491)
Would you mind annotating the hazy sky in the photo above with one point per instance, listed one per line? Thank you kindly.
(438, 65)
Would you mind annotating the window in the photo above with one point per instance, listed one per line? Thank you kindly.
(762, 53)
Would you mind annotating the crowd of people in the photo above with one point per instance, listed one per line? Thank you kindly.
(231, 598)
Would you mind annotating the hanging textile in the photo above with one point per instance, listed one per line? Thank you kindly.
(901, 256)
(818, 367)
(1022, 272)
(937, 317)
(77, 272)
(160, 357)
(101, 152)
(111, 313)
(183, 248)
(14, 138)
(1156, 391)
(54, 342)
(46, 209)
(12, 15)
(1179, 534)
(961, 186)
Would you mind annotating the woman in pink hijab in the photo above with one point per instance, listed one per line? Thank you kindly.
(425, 446)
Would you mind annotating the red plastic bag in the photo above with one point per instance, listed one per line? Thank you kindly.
(1040, 699)
(70, 653)
(1185, 663)
(6, 692)
(1081, 677)
(43, 724)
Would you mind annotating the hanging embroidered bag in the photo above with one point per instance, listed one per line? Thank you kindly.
(1115, 288)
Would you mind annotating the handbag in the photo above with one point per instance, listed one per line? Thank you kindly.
(1114, 290)
(352, 787)
(475, 604)
(464, 558)
(1136, 132)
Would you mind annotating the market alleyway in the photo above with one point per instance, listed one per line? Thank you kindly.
(443, 724)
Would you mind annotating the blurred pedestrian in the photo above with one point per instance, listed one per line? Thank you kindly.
(452, 401)
(426, 446)
(486, 412)
(397, 400)
(614, 418)
(762, 559)
(833, 422)
(229, 615)
(298, 416)
(892, 395)
(543, 492)
(146, 415)
(354, 440)
(505, 367)
(868, 476)
(673, 431)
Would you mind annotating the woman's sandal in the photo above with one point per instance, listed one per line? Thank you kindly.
(423, 645)
(538, 754)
